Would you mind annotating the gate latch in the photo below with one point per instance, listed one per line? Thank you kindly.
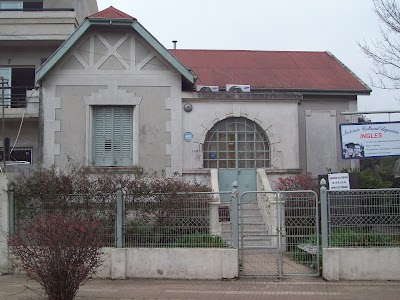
(234, 190)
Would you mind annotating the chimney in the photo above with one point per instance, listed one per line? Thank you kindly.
(174, 42)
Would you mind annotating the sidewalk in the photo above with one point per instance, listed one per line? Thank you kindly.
(12, 288)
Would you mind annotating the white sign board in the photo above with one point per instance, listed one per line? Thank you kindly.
(370, 140)
(339, 181)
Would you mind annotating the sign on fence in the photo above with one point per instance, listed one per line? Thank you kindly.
(339, 181)
(379, 139)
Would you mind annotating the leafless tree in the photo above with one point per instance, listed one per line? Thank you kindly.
(385, 52)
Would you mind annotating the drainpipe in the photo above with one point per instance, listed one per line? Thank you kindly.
(3, 131)
(41, 125)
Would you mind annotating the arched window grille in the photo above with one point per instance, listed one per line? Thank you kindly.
(236, 143)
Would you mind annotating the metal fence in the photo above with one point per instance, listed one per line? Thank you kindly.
(179, 220)
(363, 218)
(99, 207)
(170, 220)
(279, 233)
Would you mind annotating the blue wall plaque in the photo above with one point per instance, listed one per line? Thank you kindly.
(188, 136)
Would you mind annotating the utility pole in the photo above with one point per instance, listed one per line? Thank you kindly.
(3, 131)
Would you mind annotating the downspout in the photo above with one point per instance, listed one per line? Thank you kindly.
(41, 125)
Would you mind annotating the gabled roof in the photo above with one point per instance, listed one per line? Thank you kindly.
(272, 70)
(113, 17)
(111, 13)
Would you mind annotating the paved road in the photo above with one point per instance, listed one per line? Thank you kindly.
(18, 288)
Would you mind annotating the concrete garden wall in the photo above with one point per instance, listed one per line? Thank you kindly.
(182, 263)
(361, 264)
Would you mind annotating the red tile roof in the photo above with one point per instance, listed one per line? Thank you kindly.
(271, 70)
(111, 13)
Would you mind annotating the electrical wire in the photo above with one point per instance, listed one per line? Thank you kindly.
(22, 120)
(19, 131)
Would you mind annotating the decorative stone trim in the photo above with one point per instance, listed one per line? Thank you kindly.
(112, 96)
(51, 126)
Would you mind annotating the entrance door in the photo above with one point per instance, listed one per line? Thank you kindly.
(245, 179)
(236, 147)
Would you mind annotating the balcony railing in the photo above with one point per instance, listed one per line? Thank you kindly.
(25, 102)
(38, 9)
(17, 96)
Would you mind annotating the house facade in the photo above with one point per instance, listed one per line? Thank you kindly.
(112, 98)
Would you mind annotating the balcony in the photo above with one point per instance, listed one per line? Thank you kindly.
(24, 101)
(25, 25)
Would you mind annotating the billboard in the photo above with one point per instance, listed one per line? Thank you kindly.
(379, 139)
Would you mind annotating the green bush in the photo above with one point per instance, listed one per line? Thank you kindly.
(379, 172)
(347, 237)
(199, 240)
(369, 180)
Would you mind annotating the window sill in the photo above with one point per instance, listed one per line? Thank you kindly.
(133, 170)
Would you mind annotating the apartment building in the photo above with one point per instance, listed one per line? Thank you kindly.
(30, 31)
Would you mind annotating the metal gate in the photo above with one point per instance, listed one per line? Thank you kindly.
(279, 234)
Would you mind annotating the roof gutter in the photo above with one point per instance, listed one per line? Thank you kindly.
(114, 22)
(318, 92)
(60, 52)
(187, 75)
(185, 72)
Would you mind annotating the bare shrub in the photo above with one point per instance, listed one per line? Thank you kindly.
(58, 251)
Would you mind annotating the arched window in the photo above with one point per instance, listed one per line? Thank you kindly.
(236, 143)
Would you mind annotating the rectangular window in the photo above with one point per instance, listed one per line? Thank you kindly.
(11, 4)
(19, 155)
(17, 81)
(33, 5)
(5, 82)
(112, 136)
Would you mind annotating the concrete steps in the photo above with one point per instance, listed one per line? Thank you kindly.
(252, 230)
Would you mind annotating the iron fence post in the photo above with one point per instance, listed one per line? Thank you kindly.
(235, 216)
(324, 213)
(119, 218)
(279, 260)
(11, 209)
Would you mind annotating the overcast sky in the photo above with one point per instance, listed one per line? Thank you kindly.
(296, 25)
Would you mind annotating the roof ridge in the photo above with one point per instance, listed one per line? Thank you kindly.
(111, 13)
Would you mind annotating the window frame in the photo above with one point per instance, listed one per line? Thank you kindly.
(236, 143)
(21, 4)
(112, 145)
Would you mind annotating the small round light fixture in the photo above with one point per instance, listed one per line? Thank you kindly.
(187, 107)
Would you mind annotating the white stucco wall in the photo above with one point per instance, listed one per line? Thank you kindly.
(131, 73)
(319, 135)
(278, 119)
(361, 264)
(173, 263)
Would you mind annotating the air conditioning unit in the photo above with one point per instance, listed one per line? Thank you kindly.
(238, 88)
(207, 88)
